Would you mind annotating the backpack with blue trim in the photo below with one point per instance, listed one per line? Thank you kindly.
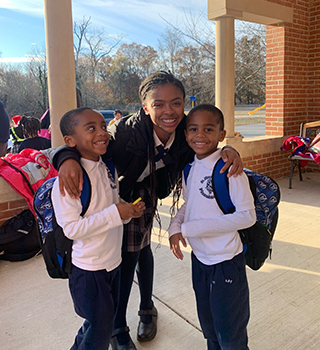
(56, 247)
(257, 239)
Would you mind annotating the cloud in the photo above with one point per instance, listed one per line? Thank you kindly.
(22, 59)
(30, 7)
(139, 21)
(104, 12)
(14, 59)
(143, 13)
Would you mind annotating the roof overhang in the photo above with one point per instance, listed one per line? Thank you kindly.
(257, 11)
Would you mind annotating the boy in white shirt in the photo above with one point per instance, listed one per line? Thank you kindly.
(97, 236)
(218, 264)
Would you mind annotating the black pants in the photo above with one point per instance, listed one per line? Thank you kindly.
(95, 296)
(222, 296)
(143, 261)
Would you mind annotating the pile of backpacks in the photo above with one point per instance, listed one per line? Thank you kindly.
(25, 173)
(19, 237)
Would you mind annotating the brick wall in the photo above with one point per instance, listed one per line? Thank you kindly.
(12, 208)
(287, 72)
(314, 62)
(268, 163)
(11, 203)
(292, 81)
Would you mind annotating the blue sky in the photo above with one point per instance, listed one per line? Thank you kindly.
(22, 21)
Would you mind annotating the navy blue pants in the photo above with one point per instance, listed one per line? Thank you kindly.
(141, 261)
(222, 296)
(95, 297)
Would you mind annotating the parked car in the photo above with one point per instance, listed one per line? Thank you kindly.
(108, 114)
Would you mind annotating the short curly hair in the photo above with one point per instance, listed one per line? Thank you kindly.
(69, 120)
(211, 109)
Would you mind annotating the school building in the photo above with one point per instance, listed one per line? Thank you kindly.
(292, 73)
(285, 294)
(292, 76)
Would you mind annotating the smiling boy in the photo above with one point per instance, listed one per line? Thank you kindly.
(218, 264)
(97, 236)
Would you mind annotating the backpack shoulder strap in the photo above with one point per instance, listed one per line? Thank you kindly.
(220, 187)
(85, 196)
(186, 171)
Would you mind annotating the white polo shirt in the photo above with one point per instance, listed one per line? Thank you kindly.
(98, 235)
(212, 234)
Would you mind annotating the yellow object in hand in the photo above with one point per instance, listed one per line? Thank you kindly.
(137, 201)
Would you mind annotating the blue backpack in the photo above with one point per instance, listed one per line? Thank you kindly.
(257, 238)
(56, 247)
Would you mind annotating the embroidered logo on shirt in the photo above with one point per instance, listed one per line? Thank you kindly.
(206, 188)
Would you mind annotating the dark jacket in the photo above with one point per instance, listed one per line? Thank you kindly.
(37, 143)
(4, 124)
(131, 146)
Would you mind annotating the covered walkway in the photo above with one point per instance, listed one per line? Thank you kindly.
(37, 313)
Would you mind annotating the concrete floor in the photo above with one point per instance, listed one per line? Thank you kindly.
(36, 312)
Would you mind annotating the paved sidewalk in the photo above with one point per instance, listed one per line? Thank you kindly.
(37, 313)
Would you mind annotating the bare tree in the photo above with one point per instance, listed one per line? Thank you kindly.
(38, 69)
(20, 91)
(198, 34)
(92, 48)
(142, 59)
(250, 63)
(79, 31)
(99, 47)
(249, 58)
(169, 44)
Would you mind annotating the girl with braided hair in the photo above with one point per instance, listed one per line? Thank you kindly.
(149, 151)
(31, 129)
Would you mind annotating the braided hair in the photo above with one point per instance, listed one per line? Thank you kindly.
(149, 84)
(156, 79)
(31, 126)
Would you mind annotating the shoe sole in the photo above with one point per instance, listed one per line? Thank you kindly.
(147, 339)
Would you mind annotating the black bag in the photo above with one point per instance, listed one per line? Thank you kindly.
(18, 237)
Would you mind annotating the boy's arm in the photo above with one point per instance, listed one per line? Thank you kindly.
(67, 211)
(177, 221)
(219, 224)
(175, 235)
